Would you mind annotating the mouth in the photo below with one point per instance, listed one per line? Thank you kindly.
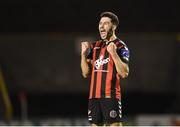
(102, 32)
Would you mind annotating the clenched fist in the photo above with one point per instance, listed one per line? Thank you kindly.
(84, 47)
(111, 48)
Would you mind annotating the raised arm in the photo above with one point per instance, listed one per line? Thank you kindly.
(84, 61)
(121, 67)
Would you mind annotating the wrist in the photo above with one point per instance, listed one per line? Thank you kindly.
(83, 54)
(113, 54)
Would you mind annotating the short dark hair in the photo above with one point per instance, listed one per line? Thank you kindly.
(112, 16)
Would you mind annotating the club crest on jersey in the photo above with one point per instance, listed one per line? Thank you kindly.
(113, 114)
(100, 62)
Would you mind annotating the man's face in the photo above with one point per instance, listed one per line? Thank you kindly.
(105, 28)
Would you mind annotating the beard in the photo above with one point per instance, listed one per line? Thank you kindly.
(108, 35)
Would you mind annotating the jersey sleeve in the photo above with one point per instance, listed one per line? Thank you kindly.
(90, 52)
(123, 53)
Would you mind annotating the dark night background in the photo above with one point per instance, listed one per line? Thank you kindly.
(40, 54)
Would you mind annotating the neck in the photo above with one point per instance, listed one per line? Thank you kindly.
(112, 38)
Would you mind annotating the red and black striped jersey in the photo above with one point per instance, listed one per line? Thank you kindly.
(105, 81)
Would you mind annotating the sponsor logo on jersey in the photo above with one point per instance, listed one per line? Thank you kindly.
(100, 62)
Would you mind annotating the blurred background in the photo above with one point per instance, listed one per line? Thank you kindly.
(40, 75)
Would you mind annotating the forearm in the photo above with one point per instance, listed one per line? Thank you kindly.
(121, 67)
(84, 66)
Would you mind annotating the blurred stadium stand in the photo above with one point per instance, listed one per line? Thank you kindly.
(40, 56)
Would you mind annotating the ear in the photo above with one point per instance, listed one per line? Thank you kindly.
(114, 27)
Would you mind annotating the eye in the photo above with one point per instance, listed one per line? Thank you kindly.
(100, 23)
(106, 23)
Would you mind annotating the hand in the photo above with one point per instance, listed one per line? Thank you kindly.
(111, 48)
(84, 47)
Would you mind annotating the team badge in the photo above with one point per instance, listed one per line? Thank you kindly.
(113, 113)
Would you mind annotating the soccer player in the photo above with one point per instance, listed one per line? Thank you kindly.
(107, 62)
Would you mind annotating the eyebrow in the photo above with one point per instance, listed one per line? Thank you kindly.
(104, 22)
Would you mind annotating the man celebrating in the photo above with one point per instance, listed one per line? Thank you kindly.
(107, 61)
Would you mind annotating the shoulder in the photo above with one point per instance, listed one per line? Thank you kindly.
(96, 43)
(123, 51)
(121, 44)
